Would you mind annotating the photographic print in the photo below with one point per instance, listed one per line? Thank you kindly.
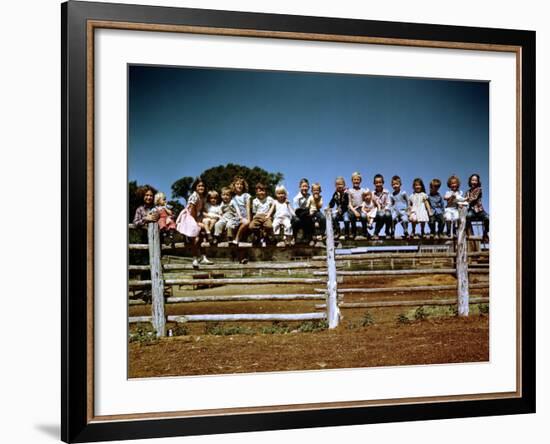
(289, 221)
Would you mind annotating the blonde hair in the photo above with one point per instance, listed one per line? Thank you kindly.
(340, 179)
(159, 197)
(213, 194)
(356, 174)
(316, 185)
(281, 189)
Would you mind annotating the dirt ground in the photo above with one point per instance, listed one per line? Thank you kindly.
(365, 337)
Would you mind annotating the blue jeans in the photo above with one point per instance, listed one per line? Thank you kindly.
(353, 219)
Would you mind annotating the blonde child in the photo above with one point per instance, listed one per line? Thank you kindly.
(283, 214)
(454, 198)
(229, 219)
(419, 207)
(340, 203)
(315, 208)
(399, 201)
(369, 208)
(355, 194)
(166, 220)
(212, 213)
(242, 201)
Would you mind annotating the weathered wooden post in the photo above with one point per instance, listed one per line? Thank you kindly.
(463, 293)
(333, 312)
(157, 280)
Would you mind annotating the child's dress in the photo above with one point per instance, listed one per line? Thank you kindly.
(241, 202)
(451, 212)
(166, 219)
(186, 224)
(419, 212)
(213, 212)
(369, 209)
(282, 218)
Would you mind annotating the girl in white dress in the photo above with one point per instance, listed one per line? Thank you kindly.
(419, 207)
(282, 218)
(454, 199)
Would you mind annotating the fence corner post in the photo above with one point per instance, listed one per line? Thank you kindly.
(158, 317)
(333, 312)
(463, 293)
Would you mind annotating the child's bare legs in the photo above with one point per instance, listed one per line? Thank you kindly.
(243, 228)
(413, 229)
(422, 226)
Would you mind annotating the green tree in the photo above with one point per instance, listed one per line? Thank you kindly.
(221, 176)
(181, 188)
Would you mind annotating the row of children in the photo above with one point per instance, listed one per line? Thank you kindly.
(235, 214)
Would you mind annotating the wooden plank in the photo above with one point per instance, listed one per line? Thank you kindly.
(249, 266)
(463, 292)
(404, 255)
(333, 313)
(157, 280)
(246, 297)
(382, 304)
(401, 289)
(231, 281)
(389, 272)
(248, 317)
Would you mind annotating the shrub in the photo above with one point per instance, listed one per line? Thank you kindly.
(367, 320)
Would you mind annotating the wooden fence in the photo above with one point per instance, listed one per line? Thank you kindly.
(328, 270)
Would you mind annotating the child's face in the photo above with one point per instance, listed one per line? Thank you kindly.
(200, 188)
(162, 201)
(474, 181)
(213, 200)
(316, 192)
(453, 185)
(434, 188)
(148, 197)
(340, 185)
(260, 193)
(396, 185)
(226, 197)
(356, 181)
(367, 197)
(379, 183)
(417, 187)
(304, 188)
(281, 196)
(239, 187)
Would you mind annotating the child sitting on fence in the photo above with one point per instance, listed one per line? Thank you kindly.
(302, 220)
(166, 219)
(369, 208)
(340, 203)
(420, 207)
(453, 197)
(189, 221)
(212, 213)
(436, 204)
(229, 219)
(282, 219)
(315, 208)
(144, 213)
(383, 215)
(242, 200)
(355, 194)
(475, 206)
(400, 206)
(262, 208)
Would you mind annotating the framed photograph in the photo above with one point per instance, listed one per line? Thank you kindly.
(276, 222)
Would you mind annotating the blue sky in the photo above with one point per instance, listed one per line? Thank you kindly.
(185, 120)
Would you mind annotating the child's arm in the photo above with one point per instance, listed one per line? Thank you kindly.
(428, 206)
(271, 209)
(290, 209)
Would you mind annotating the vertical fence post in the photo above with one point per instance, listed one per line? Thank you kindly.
(333, 312)
(157, 280)
(462, 265)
